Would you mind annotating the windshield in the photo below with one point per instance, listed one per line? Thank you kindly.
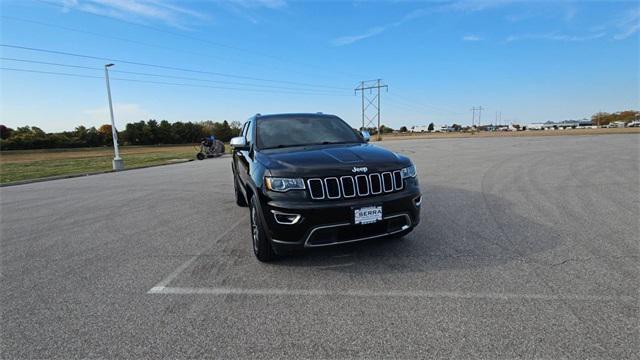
(274, 132)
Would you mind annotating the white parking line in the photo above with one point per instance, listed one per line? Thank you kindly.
(163, 288)
(162, 284)
(391, 293)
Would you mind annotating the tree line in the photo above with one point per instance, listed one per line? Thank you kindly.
(604, 118)
(149, 132)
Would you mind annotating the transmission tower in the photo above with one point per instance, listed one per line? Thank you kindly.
(371, 110)
(473, 118)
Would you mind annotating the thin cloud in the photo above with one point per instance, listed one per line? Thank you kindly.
(464, 6)
(271, 4)
(473, 5)
(555, 37)
(350, 39)
(471, 38)
(250, 10)
(631, 29)
(136, 10)
(628, 25)
(346, 40)
(123, 112)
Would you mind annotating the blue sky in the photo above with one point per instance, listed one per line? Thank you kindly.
(532, 61)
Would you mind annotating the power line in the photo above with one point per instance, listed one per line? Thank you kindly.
(80, 31)
(423, 106)
(165, 67)
(426, 105)
(170, 83)
(156, 75)
(195, 38)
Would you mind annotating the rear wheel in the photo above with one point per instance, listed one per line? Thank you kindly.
(261, 245)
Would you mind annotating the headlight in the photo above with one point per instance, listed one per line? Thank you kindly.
(283, 184)
(408, 172)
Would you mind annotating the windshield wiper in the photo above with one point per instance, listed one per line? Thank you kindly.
(310, 144)
(333, 142)
(282, 146)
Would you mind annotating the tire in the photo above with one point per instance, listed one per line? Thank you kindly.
(200, 156)
(218, 148)
(261, 246)
(240, 200)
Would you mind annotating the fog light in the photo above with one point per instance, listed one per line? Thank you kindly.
(418, 201)
(286, 218)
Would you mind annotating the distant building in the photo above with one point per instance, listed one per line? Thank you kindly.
(425, 128)
(419, 128)
(567, 124)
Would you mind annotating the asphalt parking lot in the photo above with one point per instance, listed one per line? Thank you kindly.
(528, 248)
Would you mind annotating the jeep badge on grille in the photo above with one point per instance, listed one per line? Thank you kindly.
(359, 169)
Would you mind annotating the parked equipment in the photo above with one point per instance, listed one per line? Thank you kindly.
(210, 148)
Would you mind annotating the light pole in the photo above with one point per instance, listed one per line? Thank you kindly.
(118, 163)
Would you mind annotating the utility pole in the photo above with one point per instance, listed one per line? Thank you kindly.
(373, 103)
(479, 108)
(362, 86)
(118, 163)
(473, 116)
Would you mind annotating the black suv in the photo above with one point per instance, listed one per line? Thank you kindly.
(311, 180)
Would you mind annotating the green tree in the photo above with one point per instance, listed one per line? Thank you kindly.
(105, 134)
(222, 131)
(385, 129)
(5, 132)
(165, 134)
(150, 133)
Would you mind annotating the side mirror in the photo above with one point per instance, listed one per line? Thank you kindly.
(239, 143)
(365, 135)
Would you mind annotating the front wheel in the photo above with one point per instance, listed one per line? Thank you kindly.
(261, 246)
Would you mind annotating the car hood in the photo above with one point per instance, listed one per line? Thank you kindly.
(330, 160)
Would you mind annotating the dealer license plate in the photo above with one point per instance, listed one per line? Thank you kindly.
(367, 215)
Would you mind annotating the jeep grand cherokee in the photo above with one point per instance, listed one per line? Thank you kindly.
(311, 180)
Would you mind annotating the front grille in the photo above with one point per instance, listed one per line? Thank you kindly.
(352, 186)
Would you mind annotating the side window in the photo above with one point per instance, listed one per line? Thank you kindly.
(243, 132)
(249, 133)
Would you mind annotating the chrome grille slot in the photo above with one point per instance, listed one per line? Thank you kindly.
(387, 181)
(351, 186)
(348, 186)
(397, 180)
(316, 188)
(362, 184)
(376, 183)
(333, 187)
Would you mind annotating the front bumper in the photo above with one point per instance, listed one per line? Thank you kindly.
(324, 223)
